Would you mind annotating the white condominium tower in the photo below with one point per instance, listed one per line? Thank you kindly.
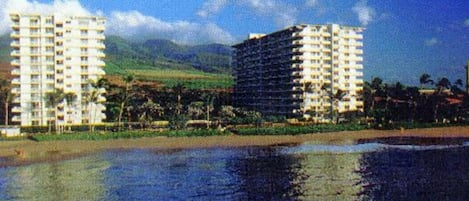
(306, 71)
(53, 53)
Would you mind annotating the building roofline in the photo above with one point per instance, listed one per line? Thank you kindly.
(54, 14)
(298, 26)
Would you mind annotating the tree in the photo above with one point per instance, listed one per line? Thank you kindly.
(125, 97)
(208, 101)
(227, 113)
(455, 88)
(52, 100)
(443, 83)
(195, 109)
(149, 111)
(93, 94)
(6, 96)
(425, 79)
(70, 99)
(178, 89)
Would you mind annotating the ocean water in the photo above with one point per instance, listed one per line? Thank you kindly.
(383, 169)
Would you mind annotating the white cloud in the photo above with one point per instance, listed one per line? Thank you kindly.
(311, 3)
(466, 23)
(133, 24)
(129, 24)
(211, 7)
(64, 7)
(431, 42)
(282, 14)
(365, 13)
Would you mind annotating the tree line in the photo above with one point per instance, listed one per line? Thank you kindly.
(440, 101)
(132, 105)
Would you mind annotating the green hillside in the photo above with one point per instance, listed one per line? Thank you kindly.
(161, 61)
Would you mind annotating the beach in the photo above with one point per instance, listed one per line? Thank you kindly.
(13, 153)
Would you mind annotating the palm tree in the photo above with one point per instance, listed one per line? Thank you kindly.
(443, 83)
(70, 99)
(195, 109)
(178, 89)
(6, 96)
(208, 101)
(425, 79)
(52, 100)
(455, 88)
(93, 94)
(149, 111)
(125, 97)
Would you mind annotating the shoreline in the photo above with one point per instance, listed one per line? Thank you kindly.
(23, 152)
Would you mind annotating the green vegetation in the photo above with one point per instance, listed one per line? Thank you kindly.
(191, 79)
(127, 135)
(297, 130)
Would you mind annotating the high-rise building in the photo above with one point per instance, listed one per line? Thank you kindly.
(307, 71)
(53, 54)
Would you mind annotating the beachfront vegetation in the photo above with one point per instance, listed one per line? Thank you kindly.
(128, 134)
(296, 130)
(395, 105)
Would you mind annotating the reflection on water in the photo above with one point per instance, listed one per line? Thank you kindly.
(69, 180)
(372, 171)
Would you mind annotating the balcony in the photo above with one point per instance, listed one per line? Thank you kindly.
(15, 26)
(15, 91)
(16, 100)
(15, 53)
(16, 119)
(16, 109)
(15, 81)
(15, 34)
(16, 71)
(298, 50)
(100, 63)
(101, 55)
(15, 62)
(100, 46)
(15, 44)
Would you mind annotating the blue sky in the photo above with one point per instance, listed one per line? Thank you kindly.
(403, 38)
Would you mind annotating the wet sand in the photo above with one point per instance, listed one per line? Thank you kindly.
(14, 153)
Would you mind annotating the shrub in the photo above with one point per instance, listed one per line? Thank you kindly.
(296, 130)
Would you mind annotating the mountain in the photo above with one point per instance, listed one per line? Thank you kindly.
(122, 55)
(158, 53)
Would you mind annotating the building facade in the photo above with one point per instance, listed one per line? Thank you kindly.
(307, 71)
(61, 55)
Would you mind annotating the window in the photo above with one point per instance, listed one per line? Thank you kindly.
(83, 32)
(84, 50)
(34, 59)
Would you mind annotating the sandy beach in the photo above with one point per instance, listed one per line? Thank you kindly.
(26, 151)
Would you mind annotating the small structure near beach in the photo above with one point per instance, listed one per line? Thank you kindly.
(10, 131)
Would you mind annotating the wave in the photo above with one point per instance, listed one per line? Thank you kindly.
(362, 148)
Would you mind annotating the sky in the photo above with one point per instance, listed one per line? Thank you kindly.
(403, 38)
